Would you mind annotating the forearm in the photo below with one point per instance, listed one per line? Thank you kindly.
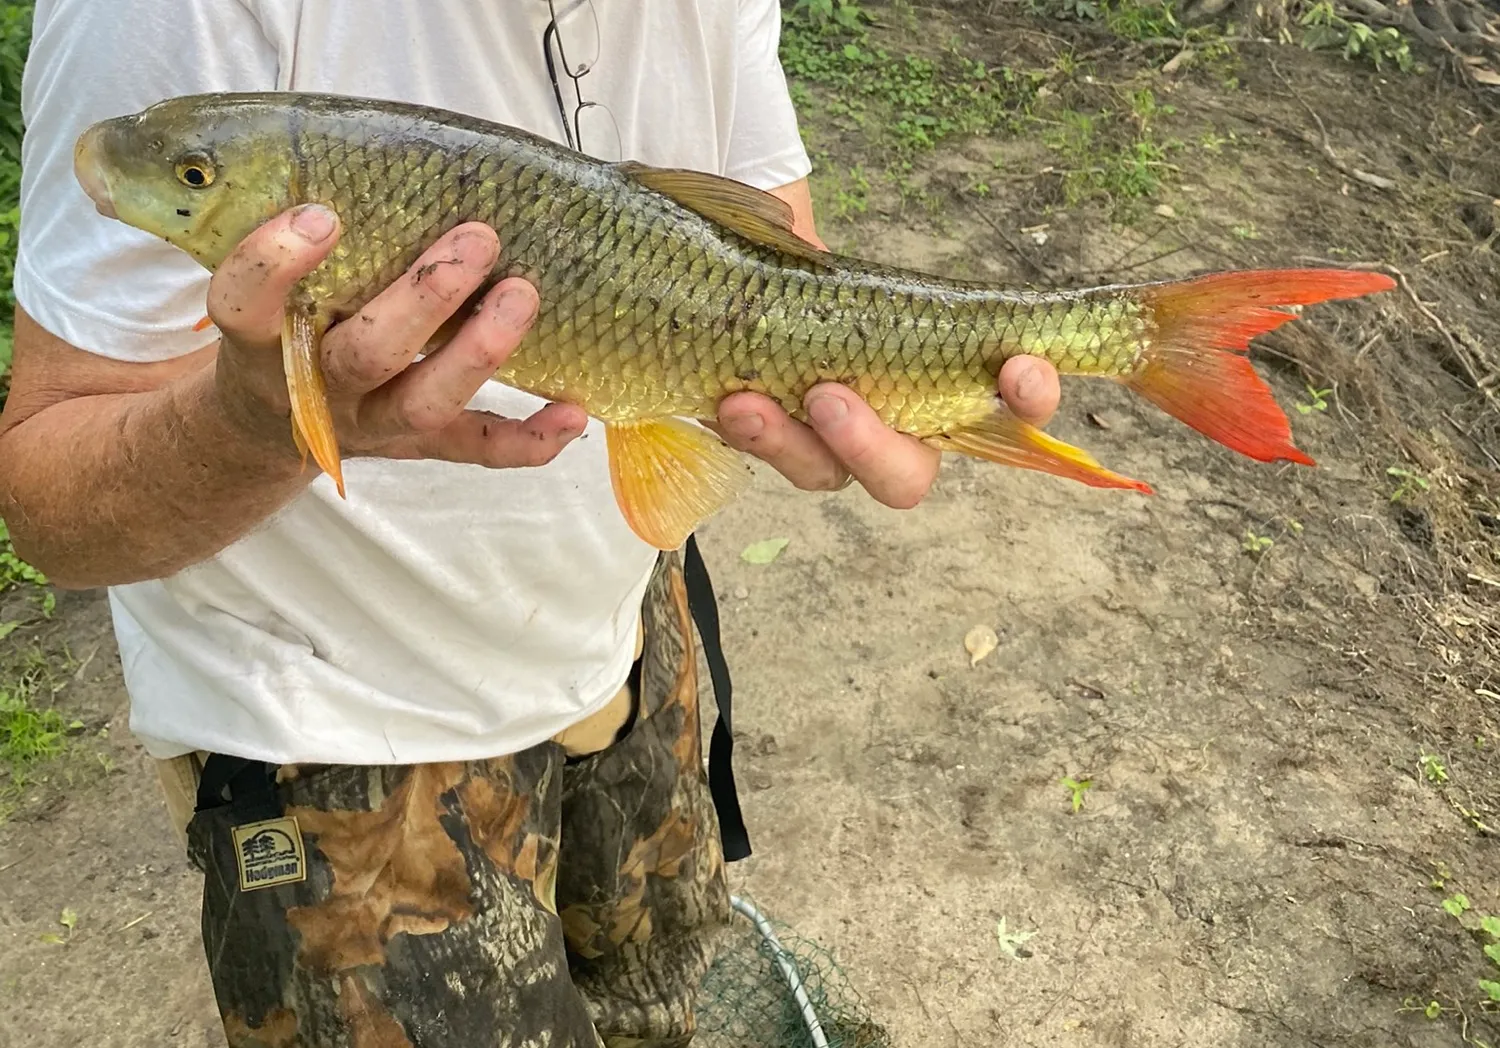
(118, 488)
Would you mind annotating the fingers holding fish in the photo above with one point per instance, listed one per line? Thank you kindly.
(365, 351)
(431, 393)
(482, 438)
(1029, 387)
(896, 469)
(247, 292)
(246, 301)
(757, 425)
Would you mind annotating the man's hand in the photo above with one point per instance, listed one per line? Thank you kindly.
(847, 439)
(382, 403)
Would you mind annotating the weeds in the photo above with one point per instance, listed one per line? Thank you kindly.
(1118, 174)
(1317, 400)
(1076, 789)
(1408, 483)
(1324, 28)
(15, 41)
(1485, 928)
(906, 103)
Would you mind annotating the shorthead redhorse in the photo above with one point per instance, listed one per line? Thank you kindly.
(663, 291)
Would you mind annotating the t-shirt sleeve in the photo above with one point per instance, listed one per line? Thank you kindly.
(765, 144)
(93, 281)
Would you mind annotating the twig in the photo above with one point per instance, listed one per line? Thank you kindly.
(12, 864)
(131, 924)
(1468, 432)
(1377, 181)
(1454, 344)
(1037, 267)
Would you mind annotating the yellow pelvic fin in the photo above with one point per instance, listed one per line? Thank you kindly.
(670, 475)
(1005, 439)
(752, 213)
(312, 425)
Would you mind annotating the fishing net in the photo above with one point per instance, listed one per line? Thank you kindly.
(770, 988)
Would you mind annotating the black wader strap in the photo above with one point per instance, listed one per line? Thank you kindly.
(700, 595)
(251, 787)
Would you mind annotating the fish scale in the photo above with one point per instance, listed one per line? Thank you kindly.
(661, 292)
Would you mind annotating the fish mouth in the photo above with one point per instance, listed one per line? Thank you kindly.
(88, 168)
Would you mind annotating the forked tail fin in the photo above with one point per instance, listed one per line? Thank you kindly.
(1195, 369)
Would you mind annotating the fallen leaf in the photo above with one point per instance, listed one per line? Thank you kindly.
(1009, 941)
(1487, 76)
(1165, 211)
(763, 552)
(979, 642)
(1097, 420)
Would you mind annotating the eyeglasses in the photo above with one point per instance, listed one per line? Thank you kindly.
(573, 33)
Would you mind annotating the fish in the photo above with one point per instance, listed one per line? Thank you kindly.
(664, 290)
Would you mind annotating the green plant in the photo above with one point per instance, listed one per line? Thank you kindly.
(1323, 27)
(824, 14)
(1317, 400)
(1486, 927)
(15, 42)
(1076, 789)
(1256, 544)
(904, 104)
(1120, 174)
(1409, 483)
(1433, 769)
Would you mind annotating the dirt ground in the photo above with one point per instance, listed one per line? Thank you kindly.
(1291, 746)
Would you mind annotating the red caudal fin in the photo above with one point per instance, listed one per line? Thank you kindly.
(1194, 368)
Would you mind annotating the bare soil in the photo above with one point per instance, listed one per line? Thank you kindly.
(1262, 853)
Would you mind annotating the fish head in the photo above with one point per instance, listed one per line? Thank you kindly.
(200, 171)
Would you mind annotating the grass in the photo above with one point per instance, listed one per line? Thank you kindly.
(15, 40)
(897, 107)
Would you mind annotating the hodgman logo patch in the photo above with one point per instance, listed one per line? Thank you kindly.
(269, 853)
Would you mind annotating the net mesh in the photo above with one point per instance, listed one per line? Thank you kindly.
(748, 1001)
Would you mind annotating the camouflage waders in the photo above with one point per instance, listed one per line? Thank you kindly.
(521, 902)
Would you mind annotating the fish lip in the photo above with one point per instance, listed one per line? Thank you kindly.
(90, 172)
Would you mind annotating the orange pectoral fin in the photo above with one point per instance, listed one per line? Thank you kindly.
(204, 324)
(1002, 438)
(312, 425)
(670, 475)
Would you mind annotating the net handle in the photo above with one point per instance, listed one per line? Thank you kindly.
(788, 968)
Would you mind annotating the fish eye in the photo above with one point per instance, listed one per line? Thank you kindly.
(195, 171)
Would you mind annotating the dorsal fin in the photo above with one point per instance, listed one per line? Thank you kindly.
(752, 213)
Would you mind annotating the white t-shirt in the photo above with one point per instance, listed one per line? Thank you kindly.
(443, 612)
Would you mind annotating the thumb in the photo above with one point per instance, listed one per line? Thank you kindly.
(248, 291)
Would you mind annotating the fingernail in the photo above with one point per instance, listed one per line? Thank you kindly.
(827, 409)
(313, 223)
(747, 426)
(516, 308)
(1029, 385)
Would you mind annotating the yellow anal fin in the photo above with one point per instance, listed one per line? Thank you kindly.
(1005, 439)
(312, 425)
(670, 475)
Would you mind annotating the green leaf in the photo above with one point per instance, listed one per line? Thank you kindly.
(1491, 988)
(763, 552)
(52, 938)
(1491, 926)
(7, 628)
(1492, 951)
(1456, 904)
(69, 918)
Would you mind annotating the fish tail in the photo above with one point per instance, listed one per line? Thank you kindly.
(1195, 368)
